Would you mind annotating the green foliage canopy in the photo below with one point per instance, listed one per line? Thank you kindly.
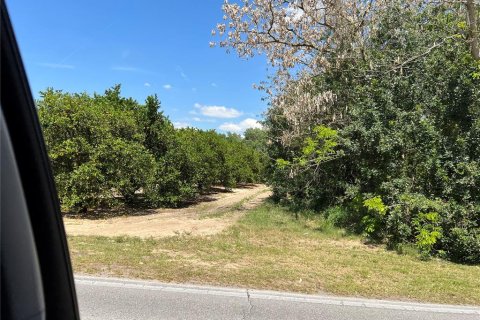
(399, 150)
(106, 150)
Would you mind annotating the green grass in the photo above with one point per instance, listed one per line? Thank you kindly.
(269, 249)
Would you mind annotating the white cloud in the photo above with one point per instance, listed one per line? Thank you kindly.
(198, 119)
(213, 84)
(57, 65)
(218, 111)
(146, 84)
(128, 69)
(180, 125)
(230, 127)
(167, 86)
(240, 127)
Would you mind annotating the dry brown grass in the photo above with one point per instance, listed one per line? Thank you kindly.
(269, 249)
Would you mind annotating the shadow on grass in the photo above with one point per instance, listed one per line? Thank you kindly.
(139, 206)
(214, 190)
(246, 186)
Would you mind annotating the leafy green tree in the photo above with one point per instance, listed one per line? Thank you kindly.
(95, 145)
(159, 131)
(256, 138)
(382, 123)
(107, 150)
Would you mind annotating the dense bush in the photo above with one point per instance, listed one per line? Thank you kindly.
(107, 149)
(396, 157)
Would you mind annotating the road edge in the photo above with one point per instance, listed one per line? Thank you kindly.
(274, 295)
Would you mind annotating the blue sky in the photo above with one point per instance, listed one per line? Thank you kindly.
(148, 47)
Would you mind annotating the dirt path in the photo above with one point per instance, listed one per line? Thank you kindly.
(218, 212)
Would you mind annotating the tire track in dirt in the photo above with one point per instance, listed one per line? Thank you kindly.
(215, 214)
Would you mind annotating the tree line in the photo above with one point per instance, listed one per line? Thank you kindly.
(107, 150)
(374, 117)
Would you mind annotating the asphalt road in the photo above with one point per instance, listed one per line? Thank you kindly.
(108, 298)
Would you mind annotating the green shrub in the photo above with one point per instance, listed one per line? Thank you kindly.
(428, 232)
(391, 134)
(372, 221)
(462, 245)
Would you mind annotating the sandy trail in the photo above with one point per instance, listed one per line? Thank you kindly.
(204, 218)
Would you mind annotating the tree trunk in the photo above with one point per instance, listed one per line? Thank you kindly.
(473, 28)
